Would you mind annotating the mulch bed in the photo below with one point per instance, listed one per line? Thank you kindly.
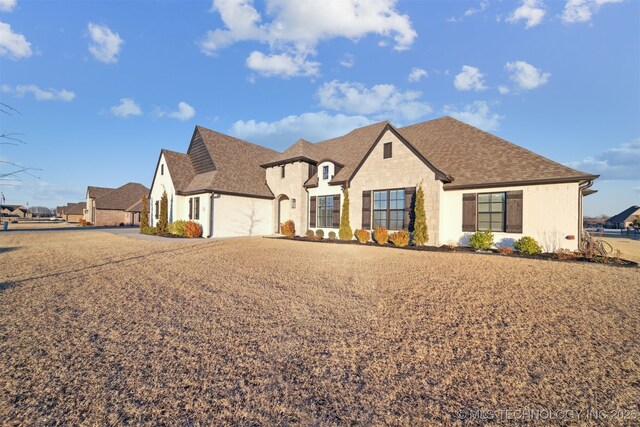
(612, 261)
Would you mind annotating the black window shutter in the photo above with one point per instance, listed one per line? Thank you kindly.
(514, 211)
(190, 207)
(157, 209)
(469, 212)
(366, 210)
(336, 211)
(312, 212)
(409, 204)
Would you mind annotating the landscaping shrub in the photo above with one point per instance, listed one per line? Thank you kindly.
(481, 240)
(420, 231)
(121, 224)
(152, 231)
(144, 215)
(565, 254)
(528, 245)
(288, 228)
(163, 220)
(400, 238)
(319, 233)
(345, 227)
(363, 236)
(505, 250)
(177, 227)
(381, 235)
(310, 233)
(192, 229)
(332, 235)
(84, 223)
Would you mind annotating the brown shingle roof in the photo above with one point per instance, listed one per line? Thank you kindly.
(76, 208)
(95, 192)
(122, 197)
(476, 158)
(180, 169)
(628, 214)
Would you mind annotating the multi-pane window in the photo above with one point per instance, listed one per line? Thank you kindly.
(388, 209)
(491, 210)
(325, 211)
(161, 169)
(387, 150)
(194, 208)
(157, 214)
(325, 172)
(282, 171)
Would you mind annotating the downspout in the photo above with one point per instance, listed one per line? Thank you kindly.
(581, 188)
(211, 215)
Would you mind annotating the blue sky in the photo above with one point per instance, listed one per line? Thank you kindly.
(100, 87)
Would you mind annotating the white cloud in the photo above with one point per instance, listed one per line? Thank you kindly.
(7, 5)
(619, 163)
(295, 28)
(40, 94)
(583, 10)
(13, 45)
(417, 74)
(525, 75)
(282, 65)
(347, 60)
(484, 4)
(383, 101)
(310, 126)
(105, 45)
(183, 113)
(469, 78)
(126, 108)
(531, 11)
(503, 90)
(476, 114)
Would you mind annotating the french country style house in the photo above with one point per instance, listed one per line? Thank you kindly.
(472, 181)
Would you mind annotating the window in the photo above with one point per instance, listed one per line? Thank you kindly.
(293, 203)
(161, 169)
(491, 210)
(325, 172)
(388, 209)
(194, 208)
(282, 171)
(157, 209)
(387, 150)
(325, 212)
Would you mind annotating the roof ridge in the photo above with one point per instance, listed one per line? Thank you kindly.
(236, 138)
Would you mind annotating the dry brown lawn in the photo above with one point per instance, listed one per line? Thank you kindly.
(35, 225)
(102, 329)
(629, 248)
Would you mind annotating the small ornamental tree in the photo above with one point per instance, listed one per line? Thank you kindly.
(345, 228)
(163, 220)
(420, 232)
(144, 215)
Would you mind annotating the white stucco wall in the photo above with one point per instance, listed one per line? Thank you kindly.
(549, 214)
(161, 183)
(241, 216)
(324, 189)
(402, 170)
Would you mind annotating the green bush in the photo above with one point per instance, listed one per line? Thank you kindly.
(363, 236)
(420, 231)
(177, 227)
(345, 226)
(152, 231)
(319, 233)
(481, 240)
(332, 235)
(528, 245)
(400, 238)
(144, 215)
(163, 220)
(310, 233)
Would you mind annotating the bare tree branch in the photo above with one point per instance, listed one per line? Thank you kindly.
(12, 138)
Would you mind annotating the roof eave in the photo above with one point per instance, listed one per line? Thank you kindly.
(291, 160)
(541, 181)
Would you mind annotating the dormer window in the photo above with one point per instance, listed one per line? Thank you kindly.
(161, 169)
(282, 171)
(325, 172)
(387, 150)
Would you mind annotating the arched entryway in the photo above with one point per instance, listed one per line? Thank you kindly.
(284, 211)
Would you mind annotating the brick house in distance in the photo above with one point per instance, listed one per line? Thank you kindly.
(74, 212)
(115, 206)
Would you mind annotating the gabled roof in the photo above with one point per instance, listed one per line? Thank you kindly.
(95, 192)
(475, 158)
(76, 208)
(628, 214)
(180, 168)
(122, 197)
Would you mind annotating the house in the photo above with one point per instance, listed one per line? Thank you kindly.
(472, 181)
(115, 206)
(625, 218)
(74, 212)
(15, 211)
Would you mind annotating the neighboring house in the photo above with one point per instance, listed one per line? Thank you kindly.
(472, 181)
(15, 211)
(115, 206)
(625, 218)
(74, 212)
